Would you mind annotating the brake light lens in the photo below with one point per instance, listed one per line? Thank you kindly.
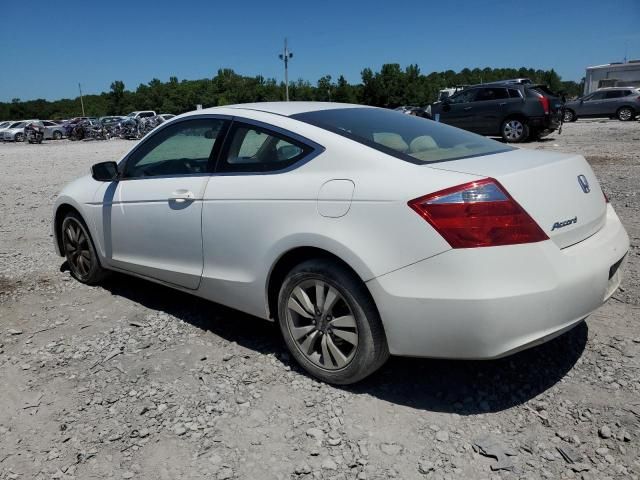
(544, 101)
(478, 214)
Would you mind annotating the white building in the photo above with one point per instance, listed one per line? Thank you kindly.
(612, 75)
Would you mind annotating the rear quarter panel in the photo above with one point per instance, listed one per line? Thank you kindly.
(250, 221)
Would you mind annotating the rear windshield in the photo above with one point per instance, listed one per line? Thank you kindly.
(414, 139)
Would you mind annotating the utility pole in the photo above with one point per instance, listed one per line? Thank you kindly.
(285, 56)
(81, 102)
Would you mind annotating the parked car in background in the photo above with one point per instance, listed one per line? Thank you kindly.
(141, 114)
(15, 132)
(4, 126)
(52, 130)
(622, 103)
(514, 111)
(110, 121)
(410, 110)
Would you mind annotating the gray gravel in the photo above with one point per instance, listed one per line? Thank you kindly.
(133, 380)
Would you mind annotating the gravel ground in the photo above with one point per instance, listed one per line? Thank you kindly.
(133, 380)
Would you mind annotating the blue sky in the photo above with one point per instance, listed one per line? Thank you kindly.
(50, 46)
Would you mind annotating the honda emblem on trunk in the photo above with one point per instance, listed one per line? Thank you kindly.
(584, 183)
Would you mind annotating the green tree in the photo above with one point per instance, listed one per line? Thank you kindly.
(116, 98)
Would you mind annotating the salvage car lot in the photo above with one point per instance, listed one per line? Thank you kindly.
(133, 380)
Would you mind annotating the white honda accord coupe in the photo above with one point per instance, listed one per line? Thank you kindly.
(363, 232)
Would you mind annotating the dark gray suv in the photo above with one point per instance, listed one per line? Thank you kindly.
(513, 111)
(615, 102)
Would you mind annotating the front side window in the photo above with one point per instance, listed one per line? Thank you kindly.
(595, 96)
(465, 96)
(254, 149)
(182, 148)
(407, 137)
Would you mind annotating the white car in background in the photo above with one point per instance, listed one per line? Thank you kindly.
(141, 114)
(363, 232)
(15, 131)
(52, 130)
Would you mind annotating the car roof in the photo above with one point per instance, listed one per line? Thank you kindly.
(616, 88)
(283, 108)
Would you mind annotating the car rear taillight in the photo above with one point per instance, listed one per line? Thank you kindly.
(478, 214)
(544, 101)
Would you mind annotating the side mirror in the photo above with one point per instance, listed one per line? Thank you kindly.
(105, 171)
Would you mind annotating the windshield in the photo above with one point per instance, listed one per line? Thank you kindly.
(407, 137)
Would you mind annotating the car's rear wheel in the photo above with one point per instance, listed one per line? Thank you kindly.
(330, 323)
(19, 137)
(514, 130)
(625, 114)
(569, 116)
(79, 250)
(57, 135)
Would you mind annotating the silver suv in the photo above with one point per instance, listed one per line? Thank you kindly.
(615, 102)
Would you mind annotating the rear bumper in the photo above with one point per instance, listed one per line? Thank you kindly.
(547, 123)
(489, 302)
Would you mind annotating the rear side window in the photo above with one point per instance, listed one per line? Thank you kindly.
(514, 93)
(413, 139)
(485, 94)
(615, 94)
(255, 149)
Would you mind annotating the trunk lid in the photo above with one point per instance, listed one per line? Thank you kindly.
(549, 186)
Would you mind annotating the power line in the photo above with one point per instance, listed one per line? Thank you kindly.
(81, 101)
(285, 56)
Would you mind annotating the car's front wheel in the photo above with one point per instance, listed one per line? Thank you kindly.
(57, 135)
(19, 137)
(625, 114)
(514, 130)
(330, 323)
(79, 250)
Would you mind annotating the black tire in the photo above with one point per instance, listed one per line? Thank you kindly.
(514, 130)
(625, 114)
(569, 116)
(57, 135)
(370, 351)
(19, 137)
(80, 252)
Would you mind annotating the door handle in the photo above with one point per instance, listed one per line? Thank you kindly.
(467, 108)
(182, 195)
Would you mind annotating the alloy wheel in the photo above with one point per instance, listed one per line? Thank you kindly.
(625, 114)
(76, 246)
(513, 130)
(322, 324)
